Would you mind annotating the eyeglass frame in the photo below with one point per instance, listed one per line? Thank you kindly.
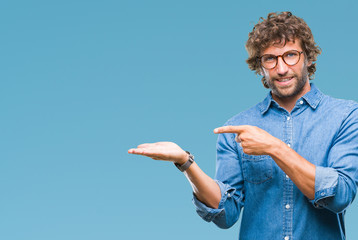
(277, 56)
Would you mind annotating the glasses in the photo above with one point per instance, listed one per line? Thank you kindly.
(291, 58)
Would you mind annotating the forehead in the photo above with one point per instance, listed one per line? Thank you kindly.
(279, 48)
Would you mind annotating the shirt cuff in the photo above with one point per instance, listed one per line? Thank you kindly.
(208, 213)
(326, 181)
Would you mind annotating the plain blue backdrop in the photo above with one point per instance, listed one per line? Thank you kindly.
(84, 81)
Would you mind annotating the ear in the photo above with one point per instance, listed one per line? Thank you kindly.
(309, 63)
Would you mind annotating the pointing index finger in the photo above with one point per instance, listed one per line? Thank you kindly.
(230, 129)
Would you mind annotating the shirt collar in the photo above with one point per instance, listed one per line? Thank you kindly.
(313, 98)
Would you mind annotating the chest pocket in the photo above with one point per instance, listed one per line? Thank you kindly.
(257, 169)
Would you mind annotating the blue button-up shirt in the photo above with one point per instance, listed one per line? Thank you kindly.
(324, 131)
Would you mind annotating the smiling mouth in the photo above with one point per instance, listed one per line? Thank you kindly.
(284, 79)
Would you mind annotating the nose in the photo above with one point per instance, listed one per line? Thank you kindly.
(281, 66)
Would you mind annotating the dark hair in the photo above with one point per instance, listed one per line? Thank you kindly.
(279, 29)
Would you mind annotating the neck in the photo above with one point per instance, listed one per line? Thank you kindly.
(287, 103)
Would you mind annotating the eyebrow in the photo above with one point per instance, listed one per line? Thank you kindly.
(283, 52)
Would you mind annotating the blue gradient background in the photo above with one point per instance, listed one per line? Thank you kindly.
(83, 81)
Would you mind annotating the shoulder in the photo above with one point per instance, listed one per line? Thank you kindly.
(339, 102)
(338, 106)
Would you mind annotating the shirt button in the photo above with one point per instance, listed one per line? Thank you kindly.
(287, 206)
(288, 118)
(287, 176)
(322, 194)
(301, 102)
(287, 238)
(289, 145)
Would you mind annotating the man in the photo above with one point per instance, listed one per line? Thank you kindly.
(291, 161)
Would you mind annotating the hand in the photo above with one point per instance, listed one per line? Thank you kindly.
(166, 151)
(253, 140)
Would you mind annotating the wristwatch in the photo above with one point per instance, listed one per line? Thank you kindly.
(187, 164)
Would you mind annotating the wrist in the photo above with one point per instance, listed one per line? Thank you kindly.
(183, 166)
(276, 148)
(183, 158)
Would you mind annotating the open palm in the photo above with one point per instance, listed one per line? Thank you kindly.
(166, 151)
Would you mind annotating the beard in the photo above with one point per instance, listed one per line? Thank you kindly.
(295, 90)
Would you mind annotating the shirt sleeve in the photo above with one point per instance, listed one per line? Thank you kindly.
(336, 184)
(230, 180)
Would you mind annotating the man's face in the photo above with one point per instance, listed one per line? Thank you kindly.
(284, 80)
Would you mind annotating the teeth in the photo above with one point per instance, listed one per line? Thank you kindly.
(284, 79)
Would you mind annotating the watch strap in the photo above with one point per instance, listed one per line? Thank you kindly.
(187, 164)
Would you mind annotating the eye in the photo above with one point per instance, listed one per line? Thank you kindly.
(268, 58)
(292, 54)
